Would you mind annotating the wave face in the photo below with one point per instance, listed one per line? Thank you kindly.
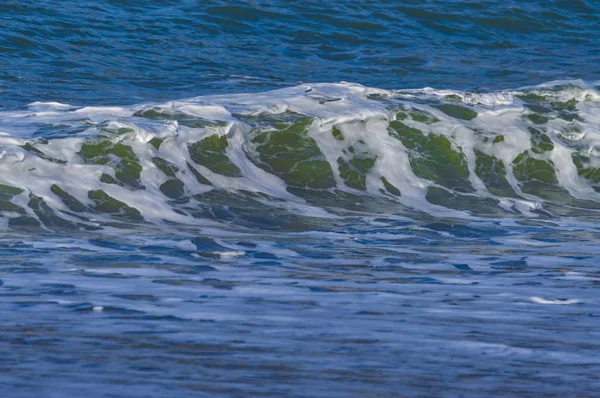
(311, 151)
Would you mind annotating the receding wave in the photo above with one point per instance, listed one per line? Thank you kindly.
(307, 151)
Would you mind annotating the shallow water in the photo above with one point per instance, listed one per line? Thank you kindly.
(193, 204)
(369, 307)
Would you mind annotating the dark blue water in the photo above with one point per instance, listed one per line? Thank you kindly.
(171, 226)
(125, 52)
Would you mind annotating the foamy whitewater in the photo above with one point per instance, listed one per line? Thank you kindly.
(299, 199)
(307, 151)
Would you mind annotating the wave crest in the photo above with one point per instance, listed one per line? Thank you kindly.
(310, 150)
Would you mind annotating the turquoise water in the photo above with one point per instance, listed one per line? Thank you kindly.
(299, 198)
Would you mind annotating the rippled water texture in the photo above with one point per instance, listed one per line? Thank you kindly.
(193, 203)
(383, 308)
(109, 52)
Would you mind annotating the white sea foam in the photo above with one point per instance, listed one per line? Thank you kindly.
(361, 114)
(539, 300)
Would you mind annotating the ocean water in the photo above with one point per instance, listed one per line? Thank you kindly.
(328, 199)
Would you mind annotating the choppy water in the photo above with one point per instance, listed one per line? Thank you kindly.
(193, 204)
(126, 52)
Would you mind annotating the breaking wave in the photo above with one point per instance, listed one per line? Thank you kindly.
(310, 151)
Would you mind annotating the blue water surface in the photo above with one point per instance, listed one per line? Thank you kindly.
(125, 52)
